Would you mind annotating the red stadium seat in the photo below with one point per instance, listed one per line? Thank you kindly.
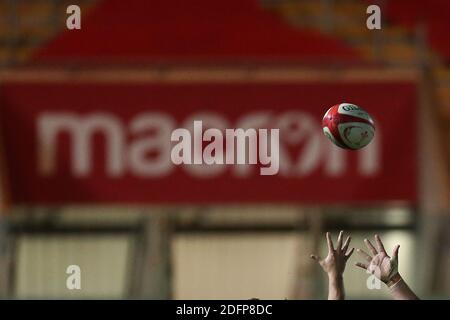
(195, 31)
(433, 14)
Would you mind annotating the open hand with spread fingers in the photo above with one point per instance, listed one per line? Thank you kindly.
(379, 263)
(385, 268)
(334, 265)
(334, 262)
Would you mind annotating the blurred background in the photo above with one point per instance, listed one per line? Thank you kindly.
(86, 116)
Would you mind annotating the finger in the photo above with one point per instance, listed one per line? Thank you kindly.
(395, 252)
(339, 240)
(349, 254)
(330, 243)
(364, 255)
(361, 265)
(370, 247)
(346, 243)
(314, 257)
(380, 244)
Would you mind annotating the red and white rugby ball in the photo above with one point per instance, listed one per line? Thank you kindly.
(348, 126)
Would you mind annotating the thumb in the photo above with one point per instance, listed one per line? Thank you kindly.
(314, 257)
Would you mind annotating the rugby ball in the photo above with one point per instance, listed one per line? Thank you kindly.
(348, 126)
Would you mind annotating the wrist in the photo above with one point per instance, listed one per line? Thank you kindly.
(335, 275)
(396, 278)
(335, 286)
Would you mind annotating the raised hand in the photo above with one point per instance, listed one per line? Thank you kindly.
(334, 262)
(385, 268)
(334, 265)
(379, 263)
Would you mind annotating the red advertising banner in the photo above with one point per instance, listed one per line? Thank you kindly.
(90, 142)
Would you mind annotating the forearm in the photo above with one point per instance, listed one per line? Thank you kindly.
(335, 287)
(400, 290)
